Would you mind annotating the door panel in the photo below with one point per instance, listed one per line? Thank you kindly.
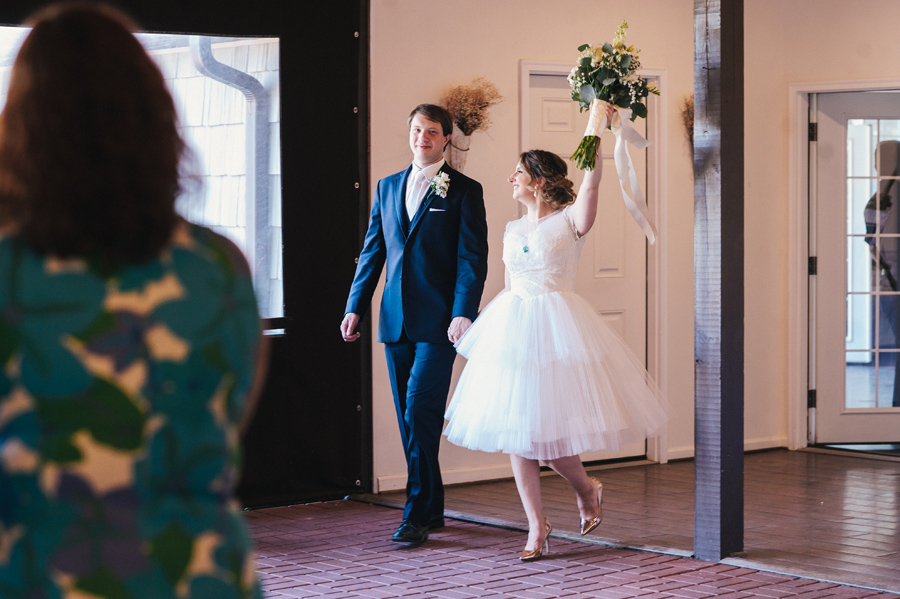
(612, 271)
(858, 308)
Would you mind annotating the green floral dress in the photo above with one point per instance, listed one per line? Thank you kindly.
(120, 398)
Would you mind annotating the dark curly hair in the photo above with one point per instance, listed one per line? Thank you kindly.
(557, 190)
(89, 150)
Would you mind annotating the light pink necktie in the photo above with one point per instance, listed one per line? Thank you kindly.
(416, 191)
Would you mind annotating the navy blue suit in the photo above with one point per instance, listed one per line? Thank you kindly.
(436, 266)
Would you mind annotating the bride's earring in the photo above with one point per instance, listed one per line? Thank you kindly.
(536, 190)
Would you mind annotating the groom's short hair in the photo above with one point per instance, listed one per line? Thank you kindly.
(435, 113)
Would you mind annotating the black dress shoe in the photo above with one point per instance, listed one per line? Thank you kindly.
(436, 523)
(410, 532)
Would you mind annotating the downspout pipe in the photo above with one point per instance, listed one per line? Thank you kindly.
(256, 156)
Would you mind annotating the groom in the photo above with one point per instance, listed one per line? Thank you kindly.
(428, 227)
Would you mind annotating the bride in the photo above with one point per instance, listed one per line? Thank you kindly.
(546, 377)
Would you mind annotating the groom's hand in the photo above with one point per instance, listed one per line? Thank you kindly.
(458, 326)
(348, 326)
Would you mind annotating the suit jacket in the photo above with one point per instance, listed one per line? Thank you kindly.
(436, 264)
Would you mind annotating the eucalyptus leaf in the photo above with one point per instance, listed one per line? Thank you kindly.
(638, 110)
(607, 48)
(609, 80)
(587, 93)
(585, 62)
(625, 60)
(583, 47)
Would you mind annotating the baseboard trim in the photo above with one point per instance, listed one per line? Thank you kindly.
(455, 476)
(397, 482)
(851, 454)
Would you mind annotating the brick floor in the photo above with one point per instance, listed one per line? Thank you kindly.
(343, 549)
(806, 514)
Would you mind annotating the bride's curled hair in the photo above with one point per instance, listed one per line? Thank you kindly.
(558, 189)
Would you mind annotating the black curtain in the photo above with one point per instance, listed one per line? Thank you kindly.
(311, 438)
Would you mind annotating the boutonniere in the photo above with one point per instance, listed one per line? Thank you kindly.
(440, 183)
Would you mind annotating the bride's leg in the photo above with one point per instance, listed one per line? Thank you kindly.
(571, 469)
(528, 482)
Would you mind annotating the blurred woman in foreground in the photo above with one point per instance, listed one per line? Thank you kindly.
(128, 337)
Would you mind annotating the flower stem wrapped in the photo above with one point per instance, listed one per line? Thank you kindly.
(585, 156)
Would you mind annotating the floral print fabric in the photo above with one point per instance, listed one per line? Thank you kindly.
(120, 400)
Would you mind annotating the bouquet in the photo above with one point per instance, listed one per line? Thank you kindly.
(607, 73)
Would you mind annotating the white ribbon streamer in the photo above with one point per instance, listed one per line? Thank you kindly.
(621, 128)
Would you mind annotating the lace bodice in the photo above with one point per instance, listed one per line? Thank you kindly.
(542, 256)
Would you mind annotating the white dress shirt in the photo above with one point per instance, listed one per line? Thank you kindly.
(417, 185)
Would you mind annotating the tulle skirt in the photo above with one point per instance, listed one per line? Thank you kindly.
(547, 378)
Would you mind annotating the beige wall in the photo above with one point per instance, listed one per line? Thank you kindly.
(420, 49)
(791, 42)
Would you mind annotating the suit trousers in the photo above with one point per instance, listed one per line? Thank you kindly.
(420, 379)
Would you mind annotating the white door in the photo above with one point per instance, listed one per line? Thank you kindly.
(613, 267)
(856, 287)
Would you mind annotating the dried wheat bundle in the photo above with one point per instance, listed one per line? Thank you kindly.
(469, 105)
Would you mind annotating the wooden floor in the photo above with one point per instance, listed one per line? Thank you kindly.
(829, 517)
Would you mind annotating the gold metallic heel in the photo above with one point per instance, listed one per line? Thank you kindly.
(589, 525)
(536, 554)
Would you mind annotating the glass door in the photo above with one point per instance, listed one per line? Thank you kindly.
(857, 293)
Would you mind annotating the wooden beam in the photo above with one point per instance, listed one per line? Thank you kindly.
(719, 278)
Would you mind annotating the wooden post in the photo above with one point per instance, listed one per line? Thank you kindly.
(719, 278)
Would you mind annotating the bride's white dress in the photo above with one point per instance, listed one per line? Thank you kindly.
(546, 377)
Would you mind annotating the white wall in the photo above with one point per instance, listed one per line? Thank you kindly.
(420, 49)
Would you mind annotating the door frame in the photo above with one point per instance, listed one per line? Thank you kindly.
(798, 243)
(657, 201)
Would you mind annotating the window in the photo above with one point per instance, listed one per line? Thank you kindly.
(873, 250)
(226, 91)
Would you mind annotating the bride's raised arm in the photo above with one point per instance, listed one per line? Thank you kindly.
(584, 210)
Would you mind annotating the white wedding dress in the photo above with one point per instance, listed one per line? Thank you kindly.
(546, 377)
